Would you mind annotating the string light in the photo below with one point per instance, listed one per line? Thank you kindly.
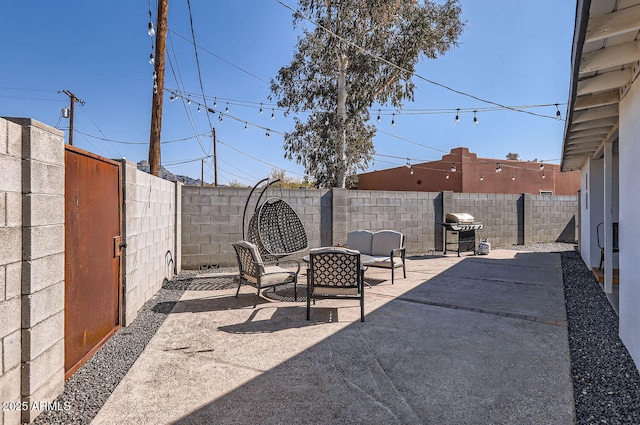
(215, 102)
(453, 167)
(513, 176)
(458, 116)
(260, 109)
(558, 114)
(198, 108)
(188, 100)
(541, 166)
(498, 168)
(151, 59)
(220, 117)
(411, 170)
(226, 109)
(245, 126)
(408, 165)
(272, 113)
(475, 118)
(393, 120)
(151, 31)
(378, 115)
(481, 177)
(447, 176)
(543, 176)
(267, 134)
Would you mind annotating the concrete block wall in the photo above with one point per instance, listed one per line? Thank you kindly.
(212, 218)
(553, 215)
(152, 231)
(499, 213)
(411, 213)
(31, 265)
(10, 267)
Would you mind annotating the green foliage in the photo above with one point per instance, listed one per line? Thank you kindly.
(359, 53)
(287, 182)
(513, 156)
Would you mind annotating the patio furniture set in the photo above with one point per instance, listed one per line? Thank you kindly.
(337, 272)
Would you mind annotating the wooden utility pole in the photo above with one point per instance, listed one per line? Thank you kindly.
(215, 159)
(158, 88)
(73, 99)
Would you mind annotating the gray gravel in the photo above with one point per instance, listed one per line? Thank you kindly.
(605, 380)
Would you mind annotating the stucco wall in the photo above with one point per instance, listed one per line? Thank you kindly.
(629, 233)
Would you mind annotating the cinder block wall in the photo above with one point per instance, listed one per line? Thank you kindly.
(31, 265)
(10, 266)
(499, 214)
(412, 213)
(212, 218)
(152, 231)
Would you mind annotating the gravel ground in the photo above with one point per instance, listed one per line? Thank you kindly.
(606, 382)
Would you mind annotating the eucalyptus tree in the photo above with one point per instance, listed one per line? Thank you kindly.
(352, 54)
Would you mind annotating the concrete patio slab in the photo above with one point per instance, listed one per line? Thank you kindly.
(457, 341)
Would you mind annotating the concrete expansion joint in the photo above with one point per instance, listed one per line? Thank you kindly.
(543, 320)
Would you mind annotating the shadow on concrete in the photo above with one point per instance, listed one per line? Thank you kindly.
(478, 357)
(411, 363)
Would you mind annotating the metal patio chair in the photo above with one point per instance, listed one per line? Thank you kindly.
(262, 275)
(335, 273)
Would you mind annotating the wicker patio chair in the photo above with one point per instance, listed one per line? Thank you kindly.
(261, 275)
(335, 273)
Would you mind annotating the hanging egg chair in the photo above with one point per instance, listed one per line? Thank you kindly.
(274, 228)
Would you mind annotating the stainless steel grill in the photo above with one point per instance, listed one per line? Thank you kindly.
(464, 226)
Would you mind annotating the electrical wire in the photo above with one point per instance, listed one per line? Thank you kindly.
(393, 65)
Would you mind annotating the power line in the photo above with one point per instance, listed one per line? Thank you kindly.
(221, 58)
(393, 65)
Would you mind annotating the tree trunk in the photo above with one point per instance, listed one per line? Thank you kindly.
(342, 118)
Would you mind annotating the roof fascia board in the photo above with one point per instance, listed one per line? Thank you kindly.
(582, 19)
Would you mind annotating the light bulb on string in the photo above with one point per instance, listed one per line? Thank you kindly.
(188, 100)
(150, 30)
(475, 119)
(458, 116)
(151, 59)
(498, 168)
(481, 177)
(513, 176)
(215, 102)
(542, 166)
(408, 164)
(558, 114)
(447, 176)
(245, 126)
(267, 134)
(226, 109)
(393, 120)
(543, 176)
(453, 167)
(272, 114)
(220, 117)
(378, 115)
(260, 109)
(411, 170)
(198, 108)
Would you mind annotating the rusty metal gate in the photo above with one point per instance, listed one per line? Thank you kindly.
(93, 229)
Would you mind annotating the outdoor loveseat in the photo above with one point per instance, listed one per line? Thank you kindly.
(386, 246)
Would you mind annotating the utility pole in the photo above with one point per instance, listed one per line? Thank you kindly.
(215, 159)
(158, 89)
(73, 99)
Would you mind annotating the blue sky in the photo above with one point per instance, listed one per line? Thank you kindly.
(513, 53)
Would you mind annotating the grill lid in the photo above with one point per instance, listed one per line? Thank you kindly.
(459, 218)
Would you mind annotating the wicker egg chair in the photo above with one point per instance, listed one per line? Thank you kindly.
(274, 228)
